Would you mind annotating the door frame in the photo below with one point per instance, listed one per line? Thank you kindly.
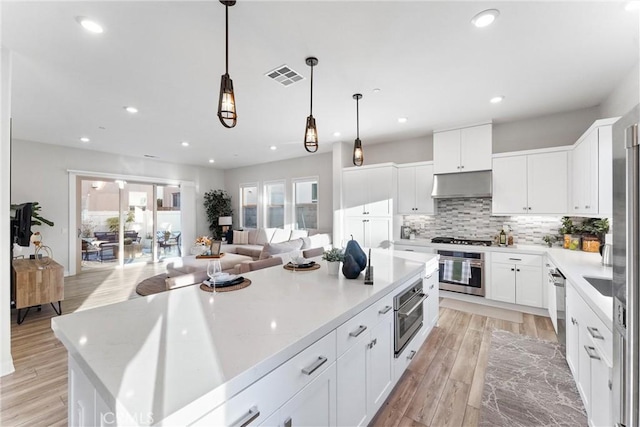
(74, 202)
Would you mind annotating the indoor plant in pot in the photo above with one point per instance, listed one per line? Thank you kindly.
(566, 231)
(334, 257)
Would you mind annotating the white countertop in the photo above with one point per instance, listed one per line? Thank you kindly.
(573, 264)
(159, 353)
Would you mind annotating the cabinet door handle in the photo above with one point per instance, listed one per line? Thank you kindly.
(515, 259)
(529, 207)
(385, 310)
(517, 269)
(574, 321)
(587, 207)
(513, 269)
(288, 422)
(409, 250)
(358, 331)
(432, 286)
(246, 419)
(595, 333)
(524, 209)
(411, 354)
(372, 343)
(429, 276)
(462, 167)
(591, 351)
(315, 365)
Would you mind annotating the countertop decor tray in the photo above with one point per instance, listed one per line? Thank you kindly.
(302, 267)
(209, 256)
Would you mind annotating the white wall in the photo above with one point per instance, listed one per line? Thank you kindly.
(542, 132)
(402, 151)
(624, 96)
(39, 173)
(6, 362)
(310, 165)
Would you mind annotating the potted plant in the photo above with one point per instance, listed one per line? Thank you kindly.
(217, 203)
(549, 240)
(566, 231)
(593, 231)
(334, 257)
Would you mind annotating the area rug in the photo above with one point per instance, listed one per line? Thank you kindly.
(482, 310)
(528, 383)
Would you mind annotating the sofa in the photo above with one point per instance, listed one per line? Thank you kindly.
(261, 245)
(108, 243)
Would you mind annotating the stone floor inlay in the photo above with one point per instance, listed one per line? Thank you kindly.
(528, 383)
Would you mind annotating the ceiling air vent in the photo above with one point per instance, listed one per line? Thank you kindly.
(284, 75)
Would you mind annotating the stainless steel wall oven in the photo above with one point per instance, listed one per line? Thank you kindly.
(470, 283)
(409, 314)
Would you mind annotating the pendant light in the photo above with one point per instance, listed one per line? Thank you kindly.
(358, 155)
(310, 131)
(227, 101)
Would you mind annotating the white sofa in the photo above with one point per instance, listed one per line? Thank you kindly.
(251, 241)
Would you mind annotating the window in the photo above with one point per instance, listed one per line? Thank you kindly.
(305, 203)
(249, 205)
(175, 199)
(274, 204)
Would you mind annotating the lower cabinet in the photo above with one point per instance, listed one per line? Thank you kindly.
(517, 279)
(314, 405)
(432, 303)
(365, 371)
(369, 232)
(589, 354)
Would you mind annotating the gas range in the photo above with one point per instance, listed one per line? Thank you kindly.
(458, 241)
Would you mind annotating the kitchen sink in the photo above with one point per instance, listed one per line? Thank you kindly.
(604, 286)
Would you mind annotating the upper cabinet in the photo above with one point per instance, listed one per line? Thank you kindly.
(369, 191)
(462, 150)
(415, 183)
(530, 184)
(591, 171)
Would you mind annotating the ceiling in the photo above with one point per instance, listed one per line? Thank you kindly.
(431, 66)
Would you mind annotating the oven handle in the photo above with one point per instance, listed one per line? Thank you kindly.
(472, 263)
(415, 306)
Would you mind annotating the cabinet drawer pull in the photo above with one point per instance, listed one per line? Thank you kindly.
(409, 250)
(591, 351)
(432, 286)
(515, 259)
(411, 354)
(385, 310)
(288, 422)
(247, 418)
(358, 331)
(315, 365)
(595, 333)
(429, 276)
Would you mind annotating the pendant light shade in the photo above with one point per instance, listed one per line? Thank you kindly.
(311, 131)
(358, 155)
(227, 100)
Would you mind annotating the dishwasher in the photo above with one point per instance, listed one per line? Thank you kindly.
(559, 318)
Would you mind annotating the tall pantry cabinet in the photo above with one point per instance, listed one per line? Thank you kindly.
(369, 204)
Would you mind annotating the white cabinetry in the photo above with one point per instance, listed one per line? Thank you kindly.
(369, 191)
(365, 370)
(517, 279)
(431, 304)
(530, 184)
(369, 204)
(462, 150)
(591, 171)
(415, 183)
(313, 405)
(589, 355)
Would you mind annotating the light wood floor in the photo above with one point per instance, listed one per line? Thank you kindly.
(442, 387)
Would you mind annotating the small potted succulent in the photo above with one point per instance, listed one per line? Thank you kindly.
(334, 257)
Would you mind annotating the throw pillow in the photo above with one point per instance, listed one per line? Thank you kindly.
(298, 234)
(240, 237)
(316, 241)
(279, 248)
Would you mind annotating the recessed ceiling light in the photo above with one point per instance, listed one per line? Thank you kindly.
(89, 25)
(485, 18)
(496, 99)
(273, 147)
(402, 120)
(632, 5)
(211, 160)
(131, 110)
(337, 134)
(376, 90)
(184, 143)
(84, 139)
(151, 156)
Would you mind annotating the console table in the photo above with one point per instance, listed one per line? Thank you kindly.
(37, 283)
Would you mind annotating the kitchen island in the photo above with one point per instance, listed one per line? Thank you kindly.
(174, 357)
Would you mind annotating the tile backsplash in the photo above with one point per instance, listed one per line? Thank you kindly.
(472, 219)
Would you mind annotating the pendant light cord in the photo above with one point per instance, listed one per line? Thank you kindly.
(226, 29)
(358, 118)
(311, 102)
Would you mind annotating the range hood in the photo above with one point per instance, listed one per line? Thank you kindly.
(461, 185)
